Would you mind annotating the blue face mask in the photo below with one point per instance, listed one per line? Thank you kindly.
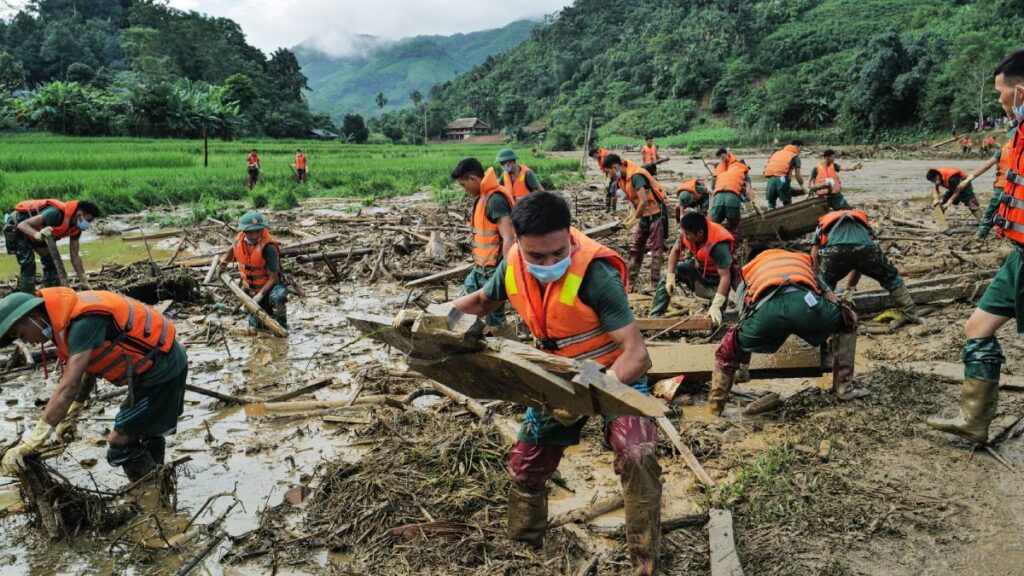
(551, 273)
(46, 329)
(506, 168)
(83, 224)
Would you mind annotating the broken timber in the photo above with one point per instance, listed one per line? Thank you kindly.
(446, 346)
(696, 361)
(462, 271)
(786, 223)
(252, 307)
(298, 249)
(960, 287)
(724, 560)
(58, 262)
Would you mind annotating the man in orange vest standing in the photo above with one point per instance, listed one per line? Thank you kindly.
(1001, 160)
(517, 179)
(783, 296)
(844, 244)
(252, 167)
(259, 264)
(781, 168)
(97, 334)
(950, 179)
(301, 171)
(34, 219)
(490, 221)
(649, 214)
(571, 292)
(732, 187)
(825, 180)
(1003, 300)
(710, 270)
(649, 152)
(610, 197)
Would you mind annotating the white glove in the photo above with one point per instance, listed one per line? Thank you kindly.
(67, 428)
(48, 231)
(715, 312)
(670, 284)
(14, 459)
(631, 220)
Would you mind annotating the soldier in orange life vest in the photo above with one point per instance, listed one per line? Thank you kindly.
(988, 144)
(825, 180)
(571, 292)
(732, 187)
(782, 296)
(648, 214)
(692, 195)
(950, 179)
(101, 335)
(1004, 298)
(252, 167)
(1001, 160)
(259, 264)
(649, 152)
(517, 179)
(966, 145)
(301, 172)
(711, 270)
(844, 244)
(491, 222)
(782, 166)
(24, 233)
(610, 197)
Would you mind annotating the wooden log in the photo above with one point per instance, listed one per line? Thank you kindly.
(697, 361)
(913, 224)
(947, 141)
(362, 219)
(315, 407)
(296, 250)
(58, 262)
(667, 525)
(214, 263)
(507, 429)
(954, 288)
(321, 256)
(684, 451)
(309, 388)
(595, 509)
(300, 247)
(786, 223)
(214, 394)
(688, 324)
(724, 560)
(144, 236)
(252, 307)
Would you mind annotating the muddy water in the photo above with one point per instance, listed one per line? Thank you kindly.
(96, 251)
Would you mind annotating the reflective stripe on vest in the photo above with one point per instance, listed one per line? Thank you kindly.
(774, 268)
(1009, 221)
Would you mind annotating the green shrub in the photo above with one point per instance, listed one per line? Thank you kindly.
(258, 199)
(284, 199)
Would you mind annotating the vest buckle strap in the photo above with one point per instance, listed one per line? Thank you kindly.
(546, 344)
(1014, 177)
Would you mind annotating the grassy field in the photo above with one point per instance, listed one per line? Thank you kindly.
(125, 175)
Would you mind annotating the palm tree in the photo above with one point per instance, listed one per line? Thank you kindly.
(416, 98)
(381, 100)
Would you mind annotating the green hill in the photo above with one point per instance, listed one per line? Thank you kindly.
(349, 84)
(859, 68)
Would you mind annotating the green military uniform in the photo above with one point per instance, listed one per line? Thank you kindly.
(835, 201)
(966, 197)
(778, 187)
(988, 219)
(690, 274)
(277, 299)
(686, 199)
(497, 208)
(848, 247)
(726, 206)
(787, 312)
(25, 252)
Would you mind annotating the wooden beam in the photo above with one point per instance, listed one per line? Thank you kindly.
(58, 262)
(252, 307)
(691, 461)
(724, 560)
(688, 324)
(955, 287)
(697, 361)
(788, 223)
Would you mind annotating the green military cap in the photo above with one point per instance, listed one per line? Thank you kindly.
(506, 155)
(251, 222)
(13, 308)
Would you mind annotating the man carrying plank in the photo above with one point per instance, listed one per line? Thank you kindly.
(492, 234)
(517, 179)
(649, 214)
(781, 296)
(825, 180)
(1003, 300)
(1001, 160)
(950, 179)
(259, 264)
(782, 166)
(34, 219)
(105, 335)
(571, 292)
(844, 244)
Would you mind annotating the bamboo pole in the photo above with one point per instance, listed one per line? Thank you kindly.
(252, 307)
(58, 262)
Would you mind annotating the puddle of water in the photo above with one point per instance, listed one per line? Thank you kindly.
(96, 251)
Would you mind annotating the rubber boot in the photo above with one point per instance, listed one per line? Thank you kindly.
(641, 491)
(743, 373)
(527, 515)
(901, 296)
(978, 403)
(661, 299)
(281, 314)
(633, 269)
(134, 459)
(157, 447)
(721, 384)
(844, 350)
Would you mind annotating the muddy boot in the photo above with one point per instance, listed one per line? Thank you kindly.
(901, 296)
(281, 314)
(661, 299)
(633, 270)
(721, 384)
(743, 373)
(978, 402)
(157, 448)
(527, 515)
(844, 350)
(641, 491)
(135, 459)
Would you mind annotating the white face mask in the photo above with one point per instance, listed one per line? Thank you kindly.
(1018, 109)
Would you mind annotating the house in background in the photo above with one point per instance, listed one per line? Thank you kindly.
(465, 128)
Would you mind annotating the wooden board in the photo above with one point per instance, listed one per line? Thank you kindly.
(788, 223)
(697, 361)
(955, 287)
(724, 560)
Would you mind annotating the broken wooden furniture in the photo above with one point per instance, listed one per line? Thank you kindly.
(447, 346)
(786, 223)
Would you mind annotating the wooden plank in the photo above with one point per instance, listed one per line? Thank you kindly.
(788, 223)
(688, 324)
(291, 250)
(935, 289)
(691, 461)
(697, 361)
(940, 218)
(724, 560)
(58, 262)
(312, 387)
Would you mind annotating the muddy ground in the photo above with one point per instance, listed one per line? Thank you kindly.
(818, 487)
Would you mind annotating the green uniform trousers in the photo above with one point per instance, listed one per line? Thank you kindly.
(839, 260)
(789, 312)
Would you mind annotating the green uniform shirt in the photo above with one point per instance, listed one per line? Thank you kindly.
(272, 258)
(92, 330)
(601, 290)
(846, 232)
(51, 217)
(497, 207)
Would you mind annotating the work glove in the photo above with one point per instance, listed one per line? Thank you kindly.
(715, 312)
(258, 298)
(670, 284)
(14, 459)
(631, 220)
(757, 209)
(67, 428)
(48, 231)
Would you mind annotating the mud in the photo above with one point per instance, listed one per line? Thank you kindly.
(817, 486)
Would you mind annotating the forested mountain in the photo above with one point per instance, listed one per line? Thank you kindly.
(350, 83)
(655, 67)
(138, 67)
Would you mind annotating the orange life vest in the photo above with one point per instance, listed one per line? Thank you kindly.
(949, 173)
(989, 141)
(34, 207)
(144, 331)
(516, 189)
(827, 171)
(733, 179)
(826, 222)
(650, 154)
(252, 266)
(653, 205)
(560, 322)
(968, 143)
(691, 187)
(721, 167)
(702, 254)
(300, 162)
(601, 154)
(485, 236)
(1009, 221)
(1003, 165)
(254, 161)
(774, 268)
(780, 162)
